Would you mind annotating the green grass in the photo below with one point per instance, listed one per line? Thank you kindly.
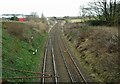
(0, 51)
(16, 55)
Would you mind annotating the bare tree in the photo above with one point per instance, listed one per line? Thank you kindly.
(43, 19)
(34, 16)
(102, 10)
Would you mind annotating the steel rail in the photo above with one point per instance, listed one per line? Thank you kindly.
(53, 59)
(44, 64)
(54, 65)
(66, 65)
(77, 68)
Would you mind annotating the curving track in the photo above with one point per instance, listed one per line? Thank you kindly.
(58, 60)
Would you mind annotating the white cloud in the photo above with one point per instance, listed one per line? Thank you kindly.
(48, 7)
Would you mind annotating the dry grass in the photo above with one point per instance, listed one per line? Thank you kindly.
(14, 28)
(24, 30)
(38, 26)
(98, 47)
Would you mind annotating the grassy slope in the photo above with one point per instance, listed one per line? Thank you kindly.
(96, 51)
(0, 50)
(16, 54)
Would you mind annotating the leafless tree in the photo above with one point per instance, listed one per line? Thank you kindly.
(102, 10)
(33, 16)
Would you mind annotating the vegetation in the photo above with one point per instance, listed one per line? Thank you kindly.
(14, 18)
(20, 40)
(94, 39)
(97, 49)
(103, 12)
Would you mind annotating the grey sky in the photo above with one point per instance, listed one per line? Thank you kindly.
(48, 7)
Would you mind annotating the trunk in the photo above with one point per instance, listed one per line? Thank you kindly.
(105, 10)
(115, 13)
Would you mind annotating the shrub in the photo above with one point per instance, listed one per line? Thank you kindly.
(16, 29)
(14, 18)
(97, 22)
(98, 46)
(38, 26)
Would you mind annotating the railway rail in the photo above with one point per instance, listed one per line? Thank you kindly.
(75, 73)
(49, 64)
(70, 59)
(59, 60)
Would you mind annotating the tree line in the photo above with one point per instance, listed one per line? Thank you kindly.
(102, 12)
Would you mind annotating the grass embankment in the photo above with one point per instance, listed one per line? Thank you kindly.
(0, 50)
(96, 48)
(19, 43)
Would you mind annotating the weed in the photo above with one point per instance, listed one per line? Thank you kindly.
(15, 51)
(98, 48)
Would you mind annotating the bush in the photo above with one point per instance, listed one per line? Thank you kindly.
(98, 48)
(97, 23)
(14, 18)
(15, 28)
(16, 52)
(38, 26)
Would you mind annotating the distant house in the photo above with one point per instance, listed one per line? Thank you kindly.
(20, 17)
(6, 16)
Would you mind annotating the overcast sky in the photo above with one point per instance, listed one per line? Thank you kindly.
(48, 7)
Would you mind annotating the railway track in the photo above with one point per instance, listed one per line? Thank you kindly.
(49, 64)
(73, 70)
(59, 62)
(61, 69)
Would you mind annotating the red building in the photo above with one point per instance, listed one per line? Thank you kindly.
(21, 19)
